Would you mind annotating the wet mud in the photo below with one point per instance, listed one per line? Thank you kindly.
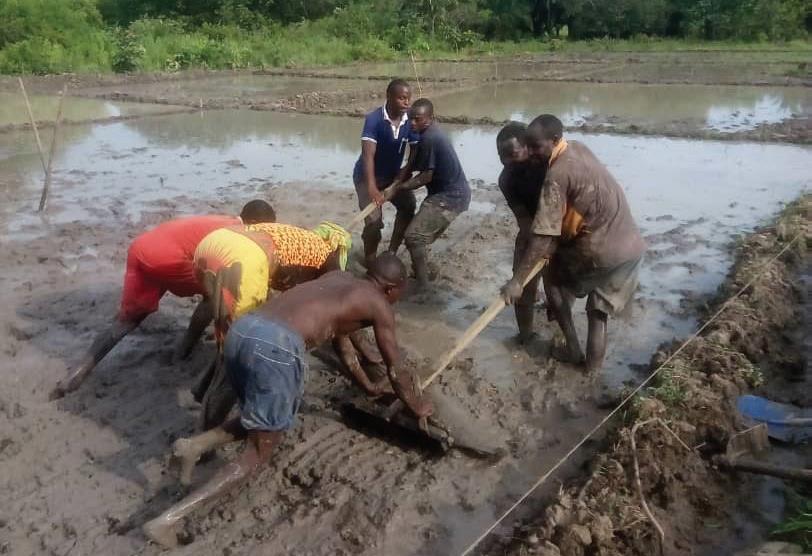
(82, 475)
(756, 345)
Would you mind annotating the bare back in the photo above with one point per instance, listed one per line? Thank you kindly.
(335, 304)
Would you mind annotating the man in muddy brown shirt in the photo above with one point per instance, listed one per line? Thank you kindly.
(264, 357)
(520, 182)
(584, 227)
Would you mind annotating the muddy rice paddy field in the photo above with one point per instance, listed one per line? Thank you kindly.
(708, 146)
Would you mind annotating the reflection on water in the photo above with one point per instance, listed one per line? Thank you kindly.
(44, 107)
(715, 107)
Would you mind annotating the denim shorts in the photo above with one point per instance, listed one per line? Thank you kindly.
(265, 363)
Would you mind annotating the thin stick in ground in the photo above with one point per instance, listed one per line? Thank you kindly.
(47, 185)
(639, 485)
(33, 124)
(416, 76)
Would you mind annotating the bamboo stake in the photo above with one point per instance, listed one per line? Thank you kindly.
(416, 76)
(33, 124)
(47, 185)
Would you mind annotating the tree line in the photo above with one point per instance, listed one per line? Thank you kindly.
(506, 19)
(147, 35)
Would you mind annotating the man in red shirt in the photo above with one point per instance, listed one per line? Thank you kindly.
(158, 261)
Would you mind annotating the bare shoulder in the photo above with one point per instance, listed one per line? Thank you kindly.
(363, 296)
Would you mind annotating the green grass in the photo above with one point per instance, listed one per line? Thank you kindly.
(797, 524)
(166, 45)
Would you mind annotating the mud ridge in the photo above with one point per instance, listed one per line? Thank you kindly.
(695, 395)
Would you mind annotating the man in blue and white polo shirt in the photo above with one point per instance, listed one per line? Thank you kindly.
(383, 144)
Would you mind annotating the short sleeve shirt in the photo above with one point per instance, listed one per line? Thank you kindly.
(449, 186)
(391, 139)
(173, 243)
(583, 205)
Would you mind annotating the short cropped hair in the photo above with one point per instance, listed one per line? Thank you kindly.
(548, 126)
(257, 211)
(424, 104)
(396, 84)
(512, 130)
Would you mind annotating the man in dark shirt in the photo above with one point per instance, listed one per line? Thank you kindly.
(520, 183)
(448, 192)
(584, 227)
(383, 144)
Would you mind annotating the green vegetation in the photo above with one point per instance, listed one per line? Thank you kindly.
(47, 36)
(797, 524)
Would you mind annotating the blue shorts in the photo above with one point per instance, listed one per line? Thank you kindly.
(265, 362)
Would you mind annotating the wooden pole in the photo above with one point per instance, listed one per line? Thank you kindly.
(358, 218)
(478, 326)
(33, 124)
(47, 185)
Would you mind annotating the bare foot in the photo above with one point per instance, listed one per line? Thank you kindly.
(184, 457)
(162, 532)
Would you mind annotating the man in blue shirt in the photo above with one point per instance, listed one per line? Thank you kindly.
(448, 192)
(383, 144)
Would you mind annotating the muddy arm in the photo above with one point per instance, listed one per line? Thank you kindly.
(418, 181)
(352, 367)
(365, 348)
(538, 247)
(406, 172)
(403, 382)
(201, 318)
(368, 149)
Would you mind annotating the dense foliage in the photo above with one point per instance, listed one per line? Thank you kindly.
(132, 35)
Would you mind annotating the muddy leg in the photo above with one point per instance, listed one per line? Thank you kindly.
(525, 310)
(372, 238)
(258, 449)
(101, 346)
(420, 265)
(402, 221)
(200, 389)
(560, 304)
(186, 452)
(219, 398)
(201, 318)
(524, 319)
(596, 340)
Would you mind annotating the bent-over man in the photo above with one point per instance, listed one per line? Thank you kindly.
(265, 360)
(161, 260)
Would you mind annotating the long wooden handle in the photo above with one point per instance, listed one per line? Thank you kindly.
(358, 218)
(478, 326)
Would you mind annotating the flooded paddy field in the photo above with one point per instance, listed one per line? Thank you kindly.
(81, 476)
(724, 109)
(84, 473)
